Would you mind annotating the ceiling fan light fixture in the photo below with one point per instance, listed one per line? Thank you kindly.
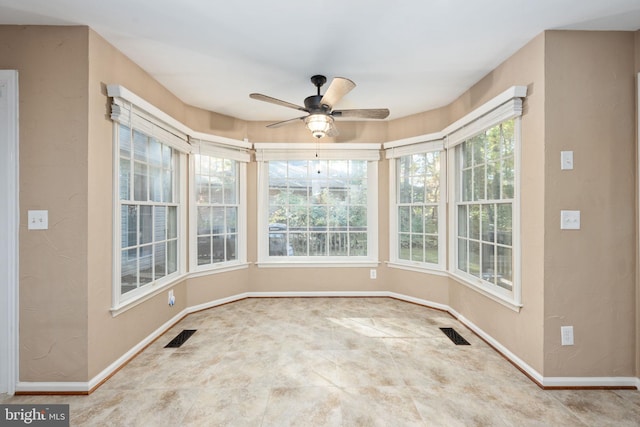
(318, 124)
(320, 107)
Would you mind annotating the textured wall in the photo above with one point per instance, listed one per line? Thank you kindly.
(590, 273)
(52, 74)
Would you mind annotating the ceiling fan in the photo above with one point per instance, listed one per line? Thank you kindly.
(320, 107)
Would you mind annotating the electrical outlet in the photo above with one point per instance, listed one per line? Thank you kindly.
(38, 220)
(566, 333)
(570, 220)
(373, 274)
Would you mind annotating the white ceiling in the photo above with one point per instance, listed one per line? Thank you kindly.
(407, 55)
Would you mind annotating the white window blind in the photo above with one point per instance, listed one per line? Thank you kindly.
(355, 151)
(505, 106)
(415, 148)
(207, 148)
(132, 111)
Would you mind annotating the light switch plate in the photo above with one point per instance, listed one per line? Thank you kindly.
(570, 220)
(566, 160)
(38, 220)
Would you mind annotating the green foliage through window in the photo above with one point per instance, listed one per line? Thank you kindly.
(486, 173)
(318, 208)
(418, 197)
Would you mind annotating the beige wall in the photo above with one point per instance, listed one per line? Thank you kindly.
(419, 124)
(214, 123)
(590, 273)
(576, 101)
(52, 72)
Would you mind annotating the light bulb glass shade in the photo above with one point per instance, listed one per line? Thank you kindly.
(318, 124)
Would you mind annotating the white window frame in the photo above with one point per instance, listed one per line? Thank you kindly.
(326, 151)
(505, 106)
(393, 151)
(241, 156)
(131, 111)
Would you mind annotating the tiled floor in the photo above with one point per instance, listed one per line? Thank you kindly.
(334, 362)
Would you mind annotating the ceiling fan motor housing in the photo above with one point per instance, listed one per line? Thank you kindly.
(312, 103)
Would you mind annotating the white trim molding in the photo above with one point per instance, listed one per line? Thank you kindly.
(514, 92)
(541, 381)
(638, 229)
(9, 228)
(590, 382)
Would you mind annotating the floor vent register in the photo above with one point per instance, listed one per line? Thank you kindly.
(454, 336)
(180, 338)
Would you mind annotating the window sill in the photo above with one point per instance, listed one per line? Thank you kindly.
(150, 293)
(420, 268)
(216, 269)
(495, 296)
(317, 264)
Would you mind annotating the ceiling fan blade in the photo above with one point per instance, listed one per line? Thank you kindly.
(269, 99)
(366, 113)
(338, 88)
(284, 122)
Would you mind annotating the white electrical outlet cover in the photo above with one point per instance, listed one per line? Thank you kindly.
(570, 220)
(38, 220)
(566, 335)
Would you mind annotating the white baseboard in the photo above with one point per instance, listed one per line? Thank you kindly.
(419, 301)
(326, 294)
(86, 387)
(591, 382)
(217, 302)
(52, 387)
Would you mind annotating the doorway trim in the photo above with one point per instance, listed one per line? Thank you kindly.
(638, 231)
(9, 228)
